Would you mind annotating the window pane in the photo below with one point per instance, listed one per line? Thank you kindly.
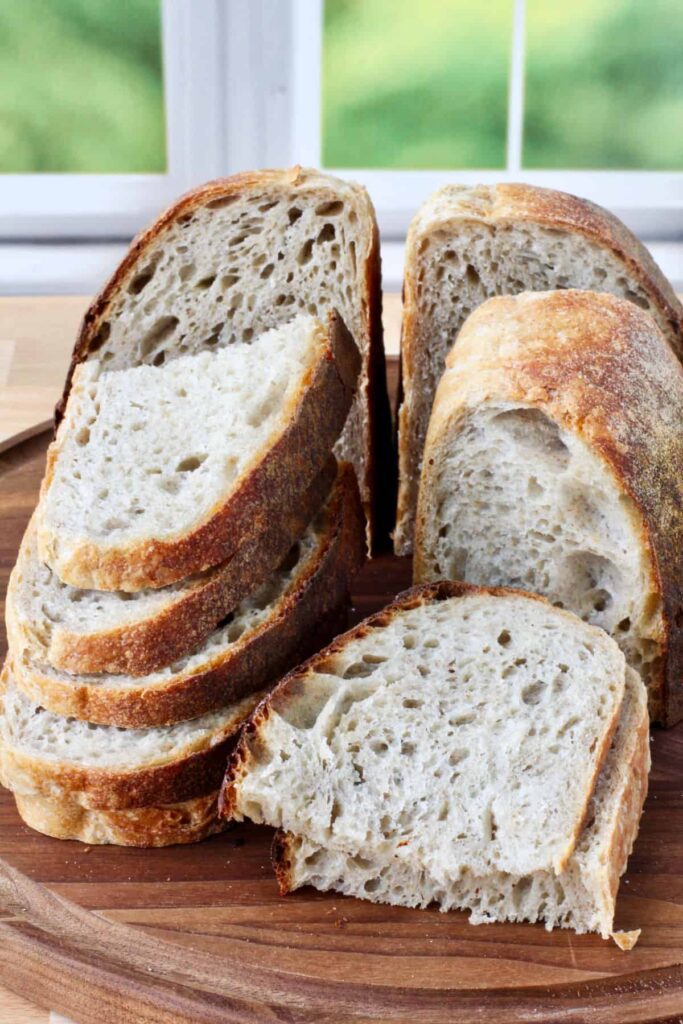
(81, 86)
(604, 85)
(415, 84)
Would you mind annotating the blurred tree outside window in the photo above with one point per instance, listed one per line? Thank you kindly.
(423, 84)
(81, 87)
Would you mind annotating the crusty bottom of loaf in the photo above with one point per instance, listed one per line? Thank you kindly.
(186, 822)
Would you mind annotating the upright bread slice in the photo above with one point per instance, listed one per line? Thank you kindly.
(459, 729)
(93, 631)
(103, 767)
(188, 821)
(468, 244)
(554, 462)
(160, 472)
(243, 254)
(299, 608)
(582, 897)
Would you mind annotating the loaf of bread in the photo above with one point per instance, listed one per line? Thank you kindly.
(468, 244)
(238, 256)
(160, 472)
(554, 462)
(458, 733)
(299, 608)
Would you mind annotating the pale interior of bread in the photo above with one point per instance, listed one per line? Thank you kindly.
(466, 732)
(581, 897)
(44, 736)
(517, 500)
(150, 452)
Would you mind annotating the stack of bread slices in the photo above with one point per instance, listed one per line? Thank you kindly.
(195, 537)
(184, 553)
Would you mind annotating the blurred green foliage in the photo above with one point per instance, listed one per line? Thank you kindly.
(423, 84)
(604, 84)
(81, 86)
(415, 83)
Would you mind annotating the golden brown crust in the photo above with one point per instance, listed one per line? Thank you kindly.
(308, 618)
(503, 206)
(273, 483)
(601, 368)
(139, 648)
(374, 463)
(189, 821)
(294, 683)
(281, 860)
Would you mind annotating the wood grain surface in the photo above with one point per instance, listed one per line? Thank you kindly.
(199, 933)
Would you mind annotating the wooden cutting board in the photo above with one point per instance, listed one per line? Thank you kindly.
(199, 933)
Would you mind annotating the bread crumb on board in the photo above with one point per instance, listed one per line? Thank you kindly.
(626, 940)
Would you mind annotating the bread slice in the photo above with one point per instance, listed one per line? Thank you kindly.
(103, 767)
(299, 608)
(581, 897)
(554, 462)
(461, 729)
(92, 631)
(468, 244)
(160, 472)
(189, 821)
(238, 256)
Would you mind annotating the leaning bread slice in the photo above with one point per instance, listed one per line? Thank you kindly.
(238, 256)
(581, 897)
(467, 244)
(160, 472)
(93, 631)
(99, 766)
(297, 610)
(189, 821)
(461, 727)
(554, 462)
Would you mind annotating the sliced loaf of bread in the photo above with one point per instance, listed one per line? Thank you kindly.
(461, 729)
(92, 631)
(188, 821)
(582, 896)
(160, 472)
(554, 463)
(301, 606)
(238, 256)
(467, 244)
(99, 766)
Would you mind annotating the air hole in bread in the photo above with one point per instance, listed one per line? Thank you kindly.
(533, 693)
(305, 253)
(205, 283)
(160, 358)
(101, 336)
(83, 436)
(220, 204)
(531, 429)
(186, 271)
(326, 233)
(160, 332)
(140, 281)
(293, 214)
(504, 638)
(267, 271)
(191, 463)
(330, 209)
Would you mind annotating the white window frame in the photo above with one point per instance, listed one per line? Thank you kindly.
(64, 206)
(649, 202)
(242, 87)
